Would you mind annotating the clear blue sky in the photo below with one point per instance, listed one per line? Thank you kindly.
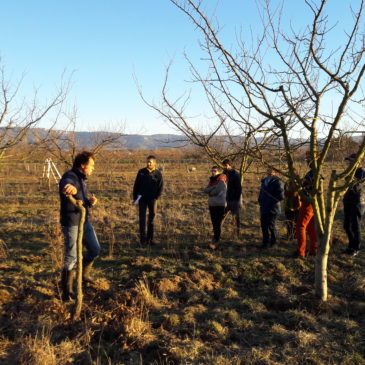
(104, 43)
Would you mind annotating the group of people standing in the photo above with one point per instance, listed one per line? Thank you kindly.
(224, 192)
(299, 211)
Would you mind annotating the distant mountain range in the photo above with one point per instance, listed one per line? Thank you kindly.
(134, 141)
(90, 139)
(127, 141)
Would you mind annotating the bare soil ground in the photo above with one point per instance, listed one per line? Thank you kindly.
(174, 303)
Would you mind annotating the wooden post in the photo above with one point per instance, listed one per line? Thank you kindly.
(78, 304)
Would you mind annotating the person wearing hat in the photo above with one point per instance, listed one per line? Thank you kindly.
(354, 208)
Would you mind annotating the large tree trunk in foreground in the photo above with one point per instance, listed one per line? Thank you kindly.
(321, 262)
(324, 238)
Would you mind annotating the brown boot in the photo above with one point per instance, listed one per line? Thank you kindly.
(67, 281)
(86, 277)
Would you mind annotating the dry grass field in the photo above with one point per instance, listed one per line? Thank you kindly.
(175, 303)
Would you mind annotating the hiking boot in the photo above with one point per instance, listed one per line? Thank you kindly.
(86, 277)
(67, 281)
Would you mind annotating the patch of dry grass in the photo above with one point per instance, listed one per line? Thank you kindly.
(40, 350)
(177, 302)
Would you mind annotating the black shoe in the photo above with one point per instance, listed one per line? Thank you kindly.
(295, 255)
(355, 253)
(151, 243)
(264, 246)
(349, 251)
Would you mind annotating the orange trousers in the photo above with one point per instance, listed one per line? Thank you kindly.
(305, 223)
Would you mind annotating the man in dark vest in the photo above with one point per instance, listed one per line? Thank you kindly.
(147, 189)
(354, 208)
(73, 182)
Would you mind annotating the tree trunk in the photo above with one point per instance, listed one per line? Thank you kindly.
(321, 262)
(324, 239)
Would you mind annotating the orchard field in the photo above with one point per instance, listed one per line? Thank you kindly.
(177, 302)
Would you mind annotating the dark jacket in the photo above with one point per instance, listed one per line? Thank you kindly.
(234, 187)
(306, 190)
(292, 198)
(271, 193)
(70, 215)
(356, 193)
(148, 184)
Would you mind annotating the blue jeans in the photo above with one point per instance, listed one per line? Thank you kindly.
(90, 241)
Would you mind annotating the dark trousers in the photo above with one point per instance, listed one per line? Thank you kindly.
(151, 205)
(352, 224)
(268, 227)
(216, 215)
(291, 222)
(233, 206)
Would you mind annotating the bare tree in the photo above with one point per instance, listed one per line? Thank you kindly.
(232, 135)
(18, 116)
(288, 84)
(63, 144)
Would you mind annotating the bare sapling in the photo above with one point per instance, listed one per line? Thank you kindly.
(78, 304)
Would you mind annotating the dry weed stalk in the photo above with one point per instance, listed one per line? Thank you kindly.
(145, 296)
(79, 296)
(3, 250)
(55, 240)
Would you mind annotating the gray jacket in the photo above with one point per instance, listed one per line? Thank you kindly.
(216, 193)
